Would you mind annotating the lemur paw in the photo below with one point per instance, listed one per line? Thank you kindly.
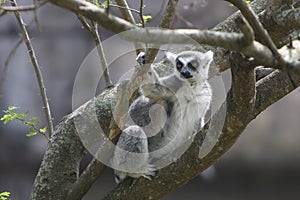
(151, 172)
(141, 58)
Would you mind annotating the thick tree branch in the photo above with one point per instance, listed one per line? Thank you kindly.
(232, 41)
(178, 173)
(96, 14)
(60, 166)
(190, 164)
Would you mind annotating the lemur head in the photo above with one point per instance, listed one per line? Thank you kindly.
(191, 66)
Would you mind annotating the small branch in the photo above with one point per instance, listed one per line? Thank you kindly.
(86, 180)
(36, 69)
(258, 27)
(125, 8)
(108, 82)
(246, 30)
(126, 13)
(142, 13)
(92, 29)
(36, 19)
(23, 8)
(164, 23)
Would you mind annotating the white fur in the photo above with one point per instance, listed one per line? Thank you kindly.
(187, 102)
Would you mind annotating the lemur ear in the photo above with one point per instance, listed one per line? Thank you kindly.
(206, 60)
(171, 57)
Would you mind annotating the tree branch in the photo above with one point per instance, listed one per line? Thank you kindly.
(190, 164)
(94, 169)
(178, 173)
(93, 30)
(259, 29)
(126, 11)
(127, 14)
(164, 23)
(23, 8)
(230, 41)
(36, 68)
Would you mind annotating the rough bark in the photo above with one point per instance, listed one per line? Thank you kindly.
(59, 168)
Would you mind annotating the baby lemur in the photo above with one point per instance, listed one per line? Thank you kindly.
(162, 122)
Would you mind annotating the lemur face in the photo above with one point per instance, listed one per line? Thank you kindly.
(191, 65)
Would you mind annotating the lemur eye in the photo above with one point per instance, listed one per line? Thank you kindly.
(193, 65)
(179, 64)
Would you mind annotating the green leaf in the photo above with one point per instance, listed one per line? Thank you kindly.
(105, 4)
(12, 108)
(3, 1)
(11, 115)
(19, 116)
(32, 123)
(43, 130)
(3, 195)
(6, 118)
(33, 133)
(146, 18)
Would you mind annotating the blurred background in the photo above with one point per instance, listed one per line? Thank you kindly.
(263, 164)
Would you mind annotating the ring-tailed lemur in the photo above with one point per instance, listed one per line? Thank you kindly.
(162, 122)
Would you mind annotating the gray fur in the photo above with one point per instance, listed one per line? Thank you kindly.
(162, 122)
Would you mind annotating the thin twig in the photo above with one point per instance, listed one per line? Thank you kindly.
(127, 14)
(23, 8)
(36, 19)
(36, 69)
(125, 8)
(93, 30)
(103, 62)
(164, 23)
(142, 13)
